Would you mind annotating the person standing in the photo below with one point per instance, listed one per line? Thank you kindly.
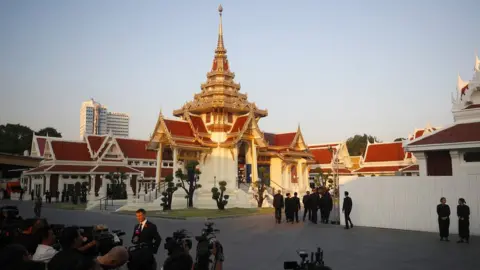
(314, 204)
(327, 206)
(443, 212)
(297, 206)
(38, 206)
(306, 206)
(289, 208)
(278, 204)
(146, 232)
(347, 209)
(463, 213)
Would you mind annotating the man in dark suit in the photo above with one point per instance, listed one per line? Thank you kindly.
(314, 204)
(306, 206)
(296, 206)
(146, 232)
(278, 204)
(347, 209)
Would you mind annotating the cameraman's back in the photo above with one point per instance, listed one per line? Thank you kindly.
(181, 261)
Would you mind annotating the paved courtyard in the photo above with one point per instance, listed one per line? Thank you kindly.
(258, 243)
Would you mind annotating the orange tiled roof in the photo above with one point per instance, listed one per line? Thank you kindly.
(198, 124)
(381, 152)
(283, 139)
(135, 149)
(41, 145)
(322, 155)
(239, 123)
(179, 128)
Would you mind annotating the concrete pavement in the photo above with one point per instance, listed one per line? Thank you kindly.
(258, 243)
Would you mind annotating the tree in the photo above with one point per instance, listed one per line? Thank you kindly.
(218, 196)
(15, 139)
(260, 190)
(358, 144)
(399, 139)
(50, 132)
(189, 182)
(264, 175)
(168, 193)
(322, 178)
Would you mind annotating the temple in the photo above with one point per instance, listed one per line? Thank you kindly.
(220, 129)
(453, 150)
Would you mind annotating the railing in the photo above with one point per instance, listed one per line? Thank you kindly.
(105, 202)
(272, 190)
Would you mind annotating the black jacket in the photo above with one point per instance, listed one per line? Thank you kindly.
(463, 211)
(327, 202)
(278, 201)
(443, 210)
(347, 204)
(306, 201)
(296, 203)
(314, 202)
(149, 235)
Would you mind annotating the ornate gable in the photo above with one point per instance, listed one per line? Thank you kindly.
(112, 151)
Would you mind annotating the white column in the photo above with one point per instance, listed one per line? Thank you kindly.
(175, 165)
(47, 182)
(159, 164)
(455, 156)
(422, 163)
(254, 162)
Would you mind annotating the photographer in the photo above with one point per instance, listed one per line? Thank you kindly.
(178, 248)
(114, 259)
(72, 243)
(45, 252)
(209, 250)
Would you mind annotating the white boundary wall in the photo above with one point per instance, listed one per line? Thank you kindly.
(409, 202)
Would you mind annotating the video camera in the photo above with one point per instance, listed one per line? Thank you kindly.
(9, 212)
(106, 240)
(316, 261)
(179, 242)
(206, 243)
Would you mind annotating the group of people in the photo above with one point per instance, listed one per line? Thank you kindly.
(318, 199)
(463, 214)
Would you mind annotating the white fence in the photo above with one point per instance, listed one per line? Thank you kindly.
(409, 202)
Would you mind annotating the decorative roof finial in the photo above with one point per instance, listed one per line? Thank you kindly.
(477, 62)
(220, 45)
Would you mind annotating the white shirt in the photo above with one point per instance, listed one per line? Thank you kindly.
(44, 253)
(143, 224)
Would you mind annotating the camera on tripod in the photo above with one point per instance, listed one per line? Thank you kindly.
(106, 240)
(316, 261)
(207, 247)
(179, 242)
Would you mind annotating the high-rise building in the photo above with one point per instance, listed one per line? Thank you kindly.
(118, 123)
(95, 119)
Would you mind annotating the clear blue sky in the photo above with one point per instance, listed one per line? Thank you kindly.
(336, 67)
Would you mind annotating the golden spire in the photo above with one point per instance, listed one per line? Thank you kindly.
(220, 46)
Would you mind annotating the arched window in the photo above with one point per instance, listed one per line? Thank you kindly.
(293, 174)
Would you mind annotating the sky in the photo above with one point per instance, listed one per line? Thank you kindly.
(336, 68)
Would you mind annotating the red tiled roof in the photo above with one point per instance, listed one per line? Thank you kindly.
(379, 169)
(322, 155)
(39, 169)
(41, 145)
(198, 124)
(135, 149)
(95, 142)
(75, 151)
(147, 172)
(239, 123)
(409, 154)
(114, 169)
(283, 139)
(70, 168)
(411, 168)
(474, 106)
(179, 128)
(459, 133)
(419, 133)
(380, 152)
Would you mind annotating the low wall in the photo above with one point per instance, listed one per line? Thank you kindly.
(409, 202)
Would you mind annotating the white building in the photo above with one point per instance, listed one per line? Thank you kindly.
(118, 123)
(96, 120)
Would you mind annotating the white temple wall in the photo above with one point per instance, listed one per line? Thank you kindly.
(276, 175)
(409, 202)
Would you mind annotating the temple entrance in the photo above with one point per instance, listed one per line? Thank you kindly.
(242, 162)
